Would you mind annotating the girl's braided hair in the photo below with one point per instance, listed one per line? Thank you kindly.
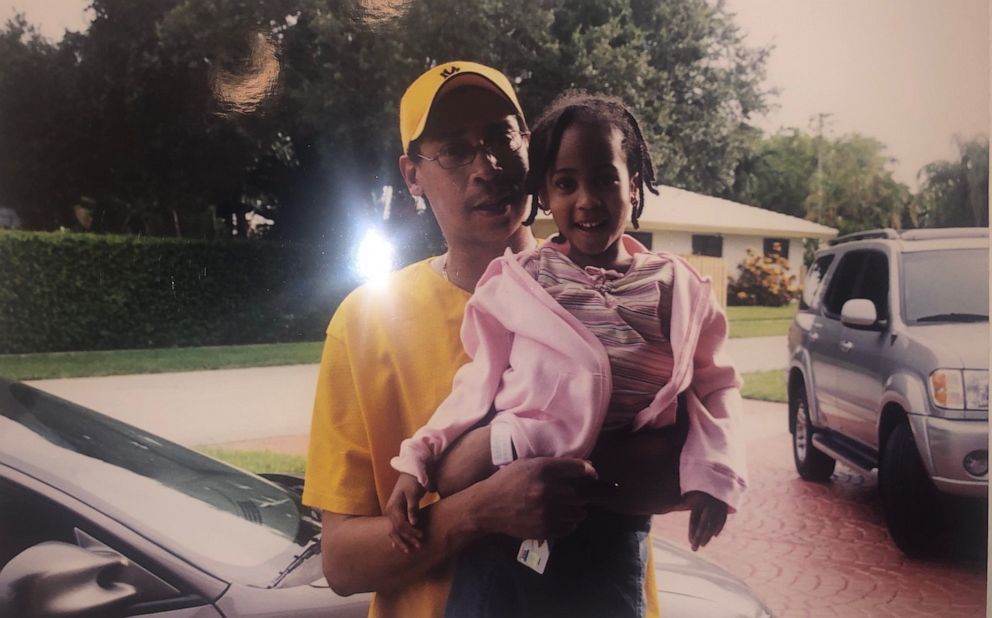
(579, 107)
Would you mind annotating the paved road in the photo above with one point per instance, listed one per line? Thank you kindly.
(232, 405)
(201, 407)
(759, 353)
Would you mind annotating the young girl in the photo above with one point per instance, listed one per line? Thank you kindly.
(587, 333)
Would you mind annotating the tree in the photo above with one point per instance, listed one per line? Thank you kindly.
(705, 87)
(166, 150)
(337, 106)
(681, 65)
(955, 193)
(856, 190)
(145, 137)
(777, 172)
(842, 182)
(36, 125)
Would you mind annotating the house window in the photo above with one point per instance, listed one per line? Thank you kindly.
(642, 237)
(711, 246)
(776, 246)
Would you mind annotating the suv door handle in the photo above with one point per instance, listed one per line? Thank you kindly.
(846, 346)
(814, 336)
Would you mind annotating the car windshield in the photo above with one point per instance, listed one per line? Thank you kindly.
(236, 526)
(946, 286)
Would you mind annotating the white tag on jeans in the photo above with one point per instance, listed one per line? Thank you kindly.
(534, 554)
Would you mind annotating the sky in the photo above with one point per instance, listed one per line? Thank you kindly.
(910, 73)
(913, 74)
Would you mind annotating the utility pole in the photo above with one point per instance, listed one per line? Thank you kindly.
(819, 118)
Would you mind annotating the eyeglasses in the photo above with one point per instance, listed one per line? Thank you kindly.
(461, 152)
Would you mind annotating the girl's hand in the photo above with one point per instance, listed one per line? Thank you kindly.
(403, 511)
(706, 519)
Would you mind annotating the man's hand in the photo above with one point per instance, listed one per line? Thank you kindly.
(707, 518)
(535, 498)
(403, 511)
(540, 498)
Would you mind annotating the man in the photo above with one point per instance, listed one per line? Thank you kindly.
(392, 351)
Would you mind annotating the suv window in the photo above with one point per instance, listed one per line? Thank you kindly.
(860, 274)
(814, 279)
(946, 286)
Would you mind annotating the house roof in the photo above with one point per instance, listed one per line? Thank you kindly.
(678, 209)
(681, 210)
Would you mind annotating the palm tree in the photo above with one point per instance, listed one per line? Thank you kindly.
(956, 193)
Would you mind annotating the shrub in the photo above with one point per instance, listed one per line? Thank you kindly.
(67, 291)
(763, 280)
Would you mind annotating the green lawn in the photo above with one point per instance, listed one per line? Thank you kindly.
(760, 321)
(765, 385)
(258, 461)
(119, 362)
(744, 322)
(744, 314)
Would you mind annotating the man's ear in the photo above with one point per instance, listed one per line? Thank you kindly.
(410, 173)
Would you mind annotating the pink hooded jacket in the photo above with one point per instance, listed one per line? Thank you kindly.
(549, 377)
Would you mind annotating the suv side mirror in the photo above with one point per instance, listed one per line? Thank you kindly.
(858, 312)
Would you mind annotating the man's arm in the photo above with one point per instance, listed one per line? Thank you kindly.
(644, 464)
(535, 498)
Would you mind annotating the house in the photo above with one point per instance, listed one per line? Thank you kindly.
(691, 224)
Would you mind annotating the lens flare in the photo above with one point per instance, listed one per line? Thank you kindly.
(253, 79)
(374, 258)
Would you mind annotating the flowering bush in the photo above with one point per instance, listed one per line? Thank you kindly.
(763, 280)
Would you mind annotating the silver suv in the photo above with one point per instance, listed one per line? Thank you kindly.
(889, 371)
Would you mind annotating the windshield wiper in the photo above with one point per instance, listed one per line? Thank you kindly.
(954, 317)
(312, 549)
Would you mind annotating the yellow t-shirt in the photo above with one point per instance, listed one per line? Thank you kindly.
(389, 360)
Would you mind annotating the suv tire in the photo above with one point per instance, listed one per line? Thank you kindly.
(811, 464)
(909, 499)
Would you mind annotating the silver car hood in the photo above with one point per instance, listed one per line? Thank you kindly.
(690, 587)
(964, 345)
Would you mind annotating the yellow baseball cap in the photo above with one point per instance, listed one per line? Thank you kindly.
(415, 106)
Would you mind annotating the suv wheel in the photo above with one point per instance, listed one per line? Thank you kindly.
(812, 464)
(909, 499)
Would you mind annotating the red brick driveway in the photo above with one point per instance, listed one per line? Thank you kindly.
(822, 549)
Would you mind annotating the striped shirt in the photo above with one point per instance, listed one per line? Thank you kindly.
(628, 312)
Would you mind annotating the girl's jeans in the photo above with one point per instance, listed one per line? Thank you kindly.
(597, 571)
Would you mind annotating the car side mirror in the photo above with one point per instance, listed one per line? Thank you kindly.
(58, 579)
(859, 313)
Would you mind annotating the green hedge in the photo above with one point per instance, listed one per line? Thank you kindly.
(65, 291)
